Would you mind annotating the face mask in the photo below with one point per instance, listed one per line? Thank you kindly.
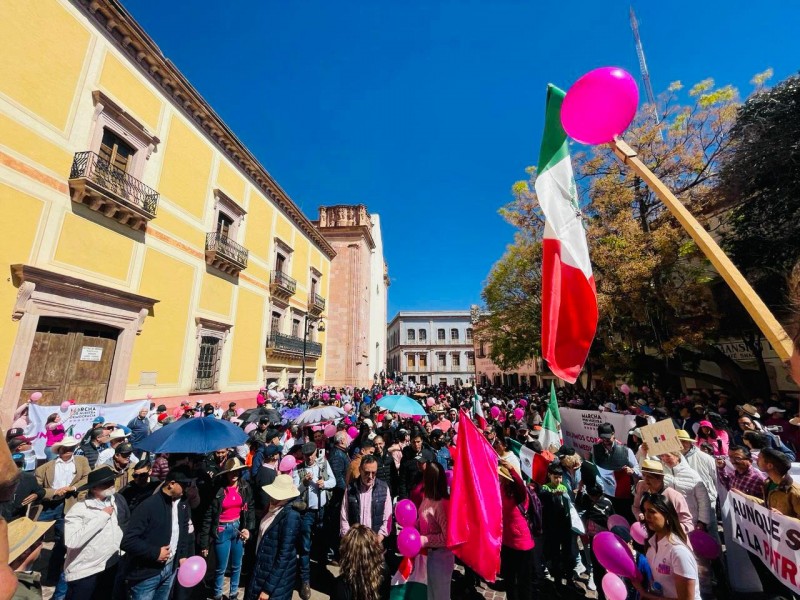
(107, 493)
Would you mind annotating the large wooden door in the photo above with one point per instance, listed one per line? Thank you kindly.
(70, 360)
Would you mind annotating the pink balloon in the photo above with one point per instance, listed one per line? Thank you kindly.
(409, 543)
(64, 406)
(625, 389)
(615, 520)
(347, 407)
(518, 414)
(639, 533)
(338, 396)
(287, 464)
(326, 396)
(614, 587)
(239, 411)
(704, 545)
(330, 430)
(494, 411)
(430, 402)
(600, 105)
(192, 571)
(449, 476)
(36, 396)
(406, 513)
(352, 432)
(614, 554)
(523, 403)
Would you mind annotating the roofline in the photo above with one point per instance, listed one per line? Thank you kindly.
(112, 17)
(429, 313)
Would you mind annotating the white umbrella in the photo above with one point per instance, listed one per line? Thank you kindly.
(318, 414)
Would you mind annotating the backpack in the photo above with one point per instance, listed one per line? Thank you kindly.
(534, 513)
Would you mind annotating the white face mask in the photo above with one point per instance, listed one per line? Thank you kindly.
(107, 493)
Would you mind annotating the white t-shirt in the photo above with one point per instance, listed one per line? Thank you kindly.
(512, 459)
(671, 557)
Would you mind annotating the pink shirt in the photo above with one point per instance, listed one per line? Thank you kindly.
(54, 433)
(231, 505)
(365, 497)
(433, 522)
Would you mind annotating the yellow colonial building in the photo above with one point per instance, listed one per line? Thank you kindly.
(145, 249)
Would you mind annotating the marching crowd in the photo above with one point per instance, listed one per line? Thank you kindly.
(272, 513)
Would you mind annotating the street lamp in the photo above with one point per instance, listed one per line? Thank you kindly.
(308, 324)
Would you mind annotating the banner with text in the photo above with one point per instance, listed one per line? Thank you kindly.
(77, 419)
(771, 536)
(579, 427)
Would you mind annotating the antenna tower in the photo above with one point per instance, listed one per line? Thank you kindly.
(648, 88)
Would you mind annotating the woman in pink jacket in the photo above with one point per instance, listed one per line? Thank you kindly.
(716, 438)
(516, 555)
(54, 432)
(433, 512)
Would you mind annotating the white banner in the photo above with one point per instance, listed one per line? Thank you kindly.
(579, 427)
(77, 419)
(771, 536)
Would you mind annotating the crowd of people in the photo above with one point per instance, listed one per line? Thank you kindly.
(267, 517)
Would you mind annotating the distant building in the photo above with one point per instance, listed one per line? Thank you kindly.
(528, 374)
(359, 283)
(432, 347)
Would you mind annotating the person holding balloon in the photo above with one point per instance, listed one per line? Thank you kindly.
(672, 561)
(433, 517)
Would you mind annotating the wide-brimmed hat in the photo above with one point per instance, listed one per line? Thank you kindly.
(749, 410)
(774, 409)
(504, 473)
(282, 488)
(232, 465)
(67, 442)
(99, 476)
(683, 435)
(652, 466)
(23, 533)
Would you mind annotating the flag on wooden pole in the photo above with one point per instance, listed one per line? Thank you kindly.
(550, 435)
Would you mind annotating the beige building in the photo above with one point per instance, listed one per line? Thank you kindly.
(357, 302)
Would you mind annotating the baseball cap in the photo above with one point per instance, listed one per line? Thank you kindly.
(17, 442)
(124, 448)
(605, 431)
(16, 432)
(309, 448)
(98, 420)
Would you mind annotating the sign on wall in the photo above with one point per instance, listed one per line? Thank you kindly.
(91, 353)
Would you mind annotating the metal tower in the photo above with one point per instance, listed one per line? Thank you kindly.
(648, 88)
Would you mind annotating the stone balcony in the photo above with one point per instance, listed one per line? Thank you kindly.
(281, 285)
(224, 254)
(292, 346)
(316, 304)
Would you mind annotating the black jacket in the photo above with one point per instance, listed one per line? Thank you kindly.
(247, 519)
(28, 484)
(150, 529)
(264, 476)
(410, 471)
(385, 462)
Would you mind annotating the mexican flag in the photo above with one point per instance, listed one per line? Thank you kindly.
(534, 466)
(550, 435)
(411, 580)
(569, 297)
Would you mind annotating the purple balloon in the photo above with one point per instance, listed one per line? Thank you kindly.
(704, 545)
(518, 414)
(406, 513)
(409, 543)
(600, 105)
(192, 571)
(494, 412)
(614, 554)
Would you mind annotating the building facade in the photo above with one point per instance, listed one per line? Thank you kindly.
(359, 282)
(146, 249)
(432, 347)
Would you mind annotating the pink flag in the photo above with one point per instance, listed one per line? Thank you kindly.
(475, 525)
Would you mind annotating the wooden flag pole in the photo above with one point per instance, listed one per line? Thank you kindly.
(763, 317)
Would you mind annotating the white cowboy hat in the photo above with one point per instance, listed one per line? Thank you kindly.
(68, 442)
(282, 488)
(118, 434)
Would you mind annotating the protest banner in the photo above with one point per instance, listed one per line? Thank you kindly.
(77, 419)
(774, 538)
(661, 438)
(579, 427)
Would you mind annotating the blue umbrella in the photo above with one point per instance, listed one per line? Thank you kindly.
(291, 413)
(194, 436)
(402, 404)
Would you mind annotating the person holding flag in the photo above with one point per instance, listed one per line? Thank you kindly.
(617, 469)
(550, 434)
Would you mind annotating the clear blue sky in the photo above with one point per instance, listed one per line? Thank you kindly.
(428, 110)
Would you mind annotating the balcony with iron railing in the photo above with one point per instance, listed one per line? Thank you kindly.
(225, 254)
(291, 345)
(107, 189)
(316, 304)
(281, 285)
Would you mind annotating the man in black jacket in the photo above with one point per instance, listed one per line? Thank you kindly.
(414, 455)
(157, 539)
(98, 439)
(28, 491)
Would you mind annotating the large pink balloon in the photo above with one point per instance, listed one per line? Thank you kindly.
(639, 533)
(430, 402)
(494, 411)
(614, 554)
(615, 520)
(64, 406)
(614, 587)
(352, 432)
(523, 403)
(406, 513)
(409, 543)
(600, 105)
(518, 414)
(287, 464)
(330, 430)
(192, 571)
(704, 545)
(36, 396)
(347, 407)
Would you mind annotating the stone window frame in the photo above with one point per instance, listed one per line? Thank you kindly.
(455, 359)
(313, 274)
(230, 208)
(423, 335)
(411, 335)
(275, 308)
(455, 334)
(110, 115)
(209, 328)
(281, 247)
(441, 334)
(439, 356)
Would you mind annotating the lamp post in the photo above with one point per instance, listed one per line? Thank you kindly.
(308, 323)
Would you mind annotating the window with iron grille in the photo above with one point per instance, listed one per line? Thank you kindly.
(423, 335)
(410, 335)
(454, 334)
(207, 363)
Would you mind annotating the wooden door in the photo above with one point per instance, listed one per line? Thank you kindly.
(70, 360)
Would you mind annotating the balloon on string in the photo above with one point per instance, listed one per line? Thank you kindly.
(614, 588)
(494, 412)
(523, 403)
(704, 545)
(406, 513)
(36, 396)
(330, 430)
(639, 533)
(614, 554)
(192, 571)
(64, 406)
(615, 520)
(352, 432)
(409, 542)
(600, 105)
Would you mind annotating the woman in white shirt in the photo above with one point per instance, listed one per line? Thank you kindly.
(501, 447)
(671, 559)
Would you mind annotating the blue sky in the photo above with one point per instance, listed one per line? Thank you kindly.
(427, 111)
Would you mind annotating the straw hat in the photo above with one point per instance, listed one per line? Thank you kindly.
(505, 473)
(23, 533)
(683, 435)
(232, 465)
(282, 488)
(749, 410)
(67, 442)
(652, 466)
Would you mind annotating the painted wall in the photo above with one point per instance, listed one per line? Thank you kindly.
(54, 58)
(378, 303)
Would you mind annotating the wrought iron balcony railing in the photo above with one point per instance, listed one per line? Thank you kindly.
(280, 282)
(221, 249)
(106, 188)
(293, 345)
(316, 303)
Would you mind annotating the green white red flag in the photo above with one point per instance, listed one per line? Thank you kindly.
(550, 435)
(569, 297)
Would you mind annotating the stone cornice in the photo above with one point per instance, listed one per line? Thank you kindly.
(120, 26)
